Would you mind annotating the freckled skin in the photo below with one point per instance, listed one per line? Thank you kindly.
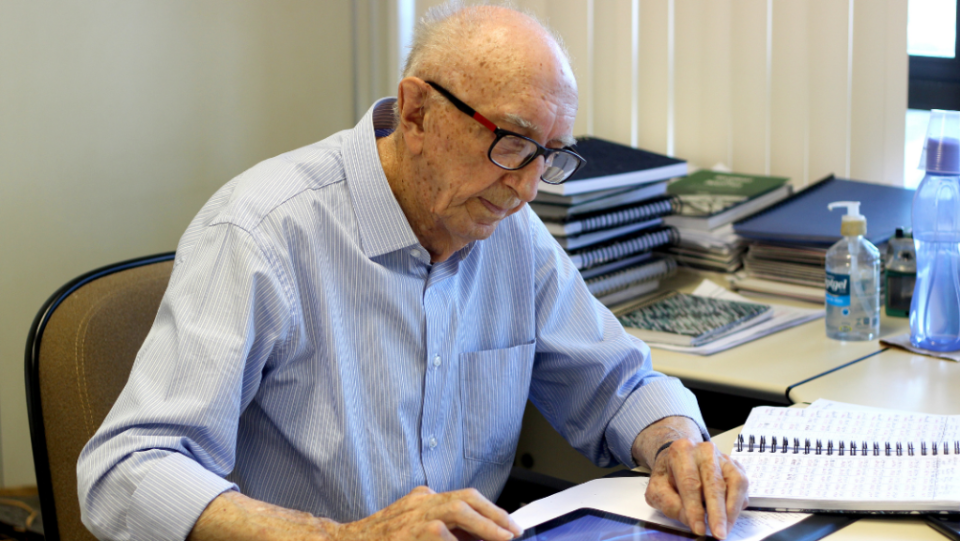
(436, 161)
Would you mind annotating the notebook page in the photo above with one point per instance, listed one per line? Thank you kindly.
(848, 425)
(841, 478)
(948, 478)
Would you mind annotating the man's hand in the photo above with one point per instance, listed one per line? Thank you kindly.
(420, 515)
(691, 480)
(423, 514)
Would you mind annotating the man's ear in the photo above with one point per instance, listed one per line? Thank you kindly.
(411, 99)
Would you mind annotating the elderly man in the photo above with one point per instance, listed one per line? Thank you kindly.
(358, 320)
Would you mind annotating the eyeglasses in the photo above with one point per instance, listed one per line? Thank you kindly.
(512, 151)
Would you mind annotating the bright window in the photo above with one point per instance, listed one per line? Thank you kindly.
(932, 28)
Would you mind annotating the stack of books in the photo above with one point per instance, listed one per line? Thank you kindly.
(789, 241)
(798, 271)
(710, 202)
(609, 217)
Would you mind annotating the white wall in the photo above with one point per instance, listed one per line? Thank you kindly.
(119, 118)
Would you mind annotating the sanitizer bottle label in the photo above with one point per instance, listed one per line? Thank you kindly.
(838, 289)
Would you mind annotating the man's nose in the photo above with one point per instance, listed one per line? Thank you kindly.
(525, 181)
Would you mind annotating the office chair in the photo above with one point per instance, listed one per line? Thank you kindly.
(79, 353)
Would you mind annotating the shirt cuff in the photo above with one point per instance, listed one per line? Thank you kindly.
(660, 398)
(170, 499)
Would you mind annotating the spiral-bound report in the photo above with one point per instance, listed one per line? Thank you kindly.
(851, 460)
(623, 247)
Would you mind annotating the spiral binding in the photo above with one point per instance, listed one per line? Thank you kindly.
(897, 449)
(606, 284)
(638, 213)
(622, 248)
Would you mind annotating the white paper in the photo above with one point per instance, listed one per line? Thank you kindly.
(783, 317)
(903, 341)
(625, 496)
(837, 421)
(878, 473)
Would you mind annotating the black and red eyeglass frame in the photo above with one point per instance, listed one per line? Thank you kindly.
(571, 160)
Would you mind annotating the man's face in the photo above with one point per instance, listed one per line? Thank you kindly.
(464, 193)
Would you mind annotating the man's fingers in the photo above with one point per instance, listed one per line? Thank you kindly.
(714, 487)
(737, 488)
(435, 529)
(683, 464)
(489, 510)
(458, 514)
(662, 494)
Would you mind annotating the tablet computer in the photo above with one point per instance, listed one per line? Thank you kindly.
(594, 525)
(948, 525)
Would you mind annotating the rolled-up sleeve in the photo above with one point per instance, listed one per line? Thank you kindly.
(592, 380)
(162, 454)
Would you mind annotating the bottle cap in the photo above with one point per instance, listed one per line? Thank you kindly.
(853, 223)
(941, 152)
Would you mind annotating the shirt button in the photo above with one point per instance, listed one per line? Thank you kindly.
(433, 443)
(436, 361)
(415, 253)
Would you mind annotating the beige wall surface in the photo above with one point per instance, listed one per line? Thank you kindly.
(119, 118)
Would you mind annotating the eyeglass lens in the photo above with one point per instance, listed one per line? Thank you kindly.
(512, 152)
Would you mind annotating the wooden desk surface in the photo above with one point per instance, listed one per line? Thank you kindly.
(895, 379)
(768, 367)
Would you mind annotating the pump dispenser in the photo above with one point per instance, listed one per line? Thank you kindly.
(853, 280)
(852, 224)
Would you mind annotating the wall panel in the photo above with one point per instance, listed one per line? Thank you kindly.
(615, 67)
(867, 113)
(750, 87)
(654, 76)
(895, 91)
(716, 121)
(789, 95)
(688, 77)
(828, 44)
(573, 19)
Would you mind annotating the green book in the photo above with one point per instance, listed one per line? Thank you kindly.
(710, 199)
(690, 320)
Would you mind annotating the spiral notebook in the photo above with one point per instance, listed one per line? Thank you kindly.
(690, 320)
(851, 459)
(610, 218)
(619, 248)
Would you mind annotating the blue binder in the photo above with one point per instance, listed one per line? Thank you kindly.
(803, 218)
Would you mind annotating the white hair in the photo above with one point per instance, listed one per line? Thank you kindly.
(443, 27)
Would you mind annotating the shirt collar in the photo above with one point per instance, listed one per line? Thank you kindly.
(382, 224)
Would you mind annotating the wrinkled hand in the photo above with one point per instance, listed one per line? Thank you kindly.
(425, 515)
(688, 475)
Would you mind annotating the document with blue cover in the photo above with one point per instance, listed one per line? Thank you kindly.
(804, 218)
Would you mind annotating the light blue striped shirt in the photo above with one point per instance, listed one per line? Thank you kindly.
(308, 354)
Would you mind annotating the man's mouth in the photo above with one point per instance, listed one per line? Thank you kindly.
(495, 209)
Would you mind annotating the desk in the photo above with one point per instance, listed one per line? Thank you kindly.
(893, 378)
(865, 529)
(766, 369)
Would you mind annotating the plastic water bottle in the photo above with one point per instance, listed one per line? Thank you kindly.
(935, 309)
(900, 274)
(853, 280)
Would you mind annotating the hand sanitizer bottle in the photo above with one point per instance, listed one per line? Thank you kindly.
(935, 309)
(853, 280)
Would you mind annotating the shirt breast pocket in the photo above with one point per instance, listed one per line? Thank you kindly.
(494, 385)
